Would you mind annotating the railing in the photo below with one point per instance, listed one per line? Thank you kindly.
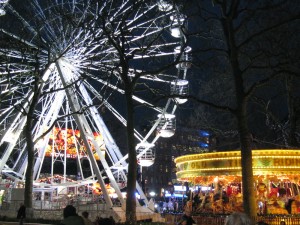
(49, 205)
(205, 219)
(53, 209)
(48, 210)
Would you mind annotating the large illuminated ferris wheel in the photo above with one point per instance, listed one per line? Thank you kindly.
(70, 49)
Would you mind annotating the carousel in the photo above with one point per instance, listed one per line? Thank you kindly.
(218, 178)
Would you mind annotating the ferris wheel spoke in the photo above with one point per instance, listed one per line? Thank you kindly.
(74, 42)
(119, 116)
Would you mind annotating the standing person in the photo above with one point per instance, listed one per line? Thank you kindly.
(85, 216)
(71, 217)
(21, 215)
(238, 218)
(187, 219)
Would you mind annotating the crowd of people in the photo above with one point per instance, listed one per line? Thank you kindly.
(72, 218)
(236, 218)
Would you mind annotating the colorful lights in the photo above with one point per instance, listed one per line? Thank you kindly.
(71, 140)
(265, 162)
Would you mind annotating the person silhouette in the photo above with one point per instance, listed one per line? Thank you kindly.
(187, 218)
(21, 214)
(85, 216)
(71, 217)
(21, 211)
(238, 218)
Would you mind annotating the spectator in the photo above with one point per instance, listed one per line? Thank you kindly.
(85, 216)
(21, 215)
(98, 220)
(112, 221)
(187, 218)
(71, 217)
(105, 221)
(238, 219)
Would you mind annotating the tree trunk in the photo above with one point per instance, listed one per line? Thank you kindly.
(241, 115)
(30, 151)
(29, 170)
(248, 190)
(132, 165)
(292, 140)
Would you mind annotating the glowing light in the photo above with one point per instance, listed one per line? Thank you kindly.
(10, 137)
(166, 127)
(164, 6)
(2, 12)
(152, 193)
(145, 154)
(180, 87)
(265, 162)
(71, 140)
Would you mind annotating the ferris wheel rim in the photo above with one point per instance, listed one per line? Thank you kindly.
(48, 101)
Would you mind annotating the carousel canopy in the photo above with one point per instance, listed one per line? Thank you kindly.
(271, 163)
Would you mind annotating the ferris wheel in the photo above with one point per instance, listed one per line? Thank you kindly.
(70, 50)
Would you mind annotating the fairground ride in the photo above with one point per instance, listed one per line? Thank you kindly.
(71, 51)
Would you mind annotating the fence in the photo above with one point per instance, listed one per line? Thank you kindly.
(53, 210)
(173, 219)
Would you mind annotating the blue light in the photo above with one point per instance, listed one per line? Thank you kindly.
(203, 133)
(203, 145)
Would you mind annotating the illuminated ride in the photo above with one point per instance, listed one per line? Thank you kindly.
(276, 174)
(72, 51)
(2, 6)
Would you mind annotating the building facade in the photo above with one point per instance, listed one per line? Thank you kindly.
(161, 175)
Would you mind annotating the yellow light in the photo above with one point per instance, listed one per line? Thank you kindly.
(265, 162)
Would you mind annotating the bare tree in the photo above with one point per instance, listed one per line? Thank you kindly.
(151, 67)
(234, 38)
